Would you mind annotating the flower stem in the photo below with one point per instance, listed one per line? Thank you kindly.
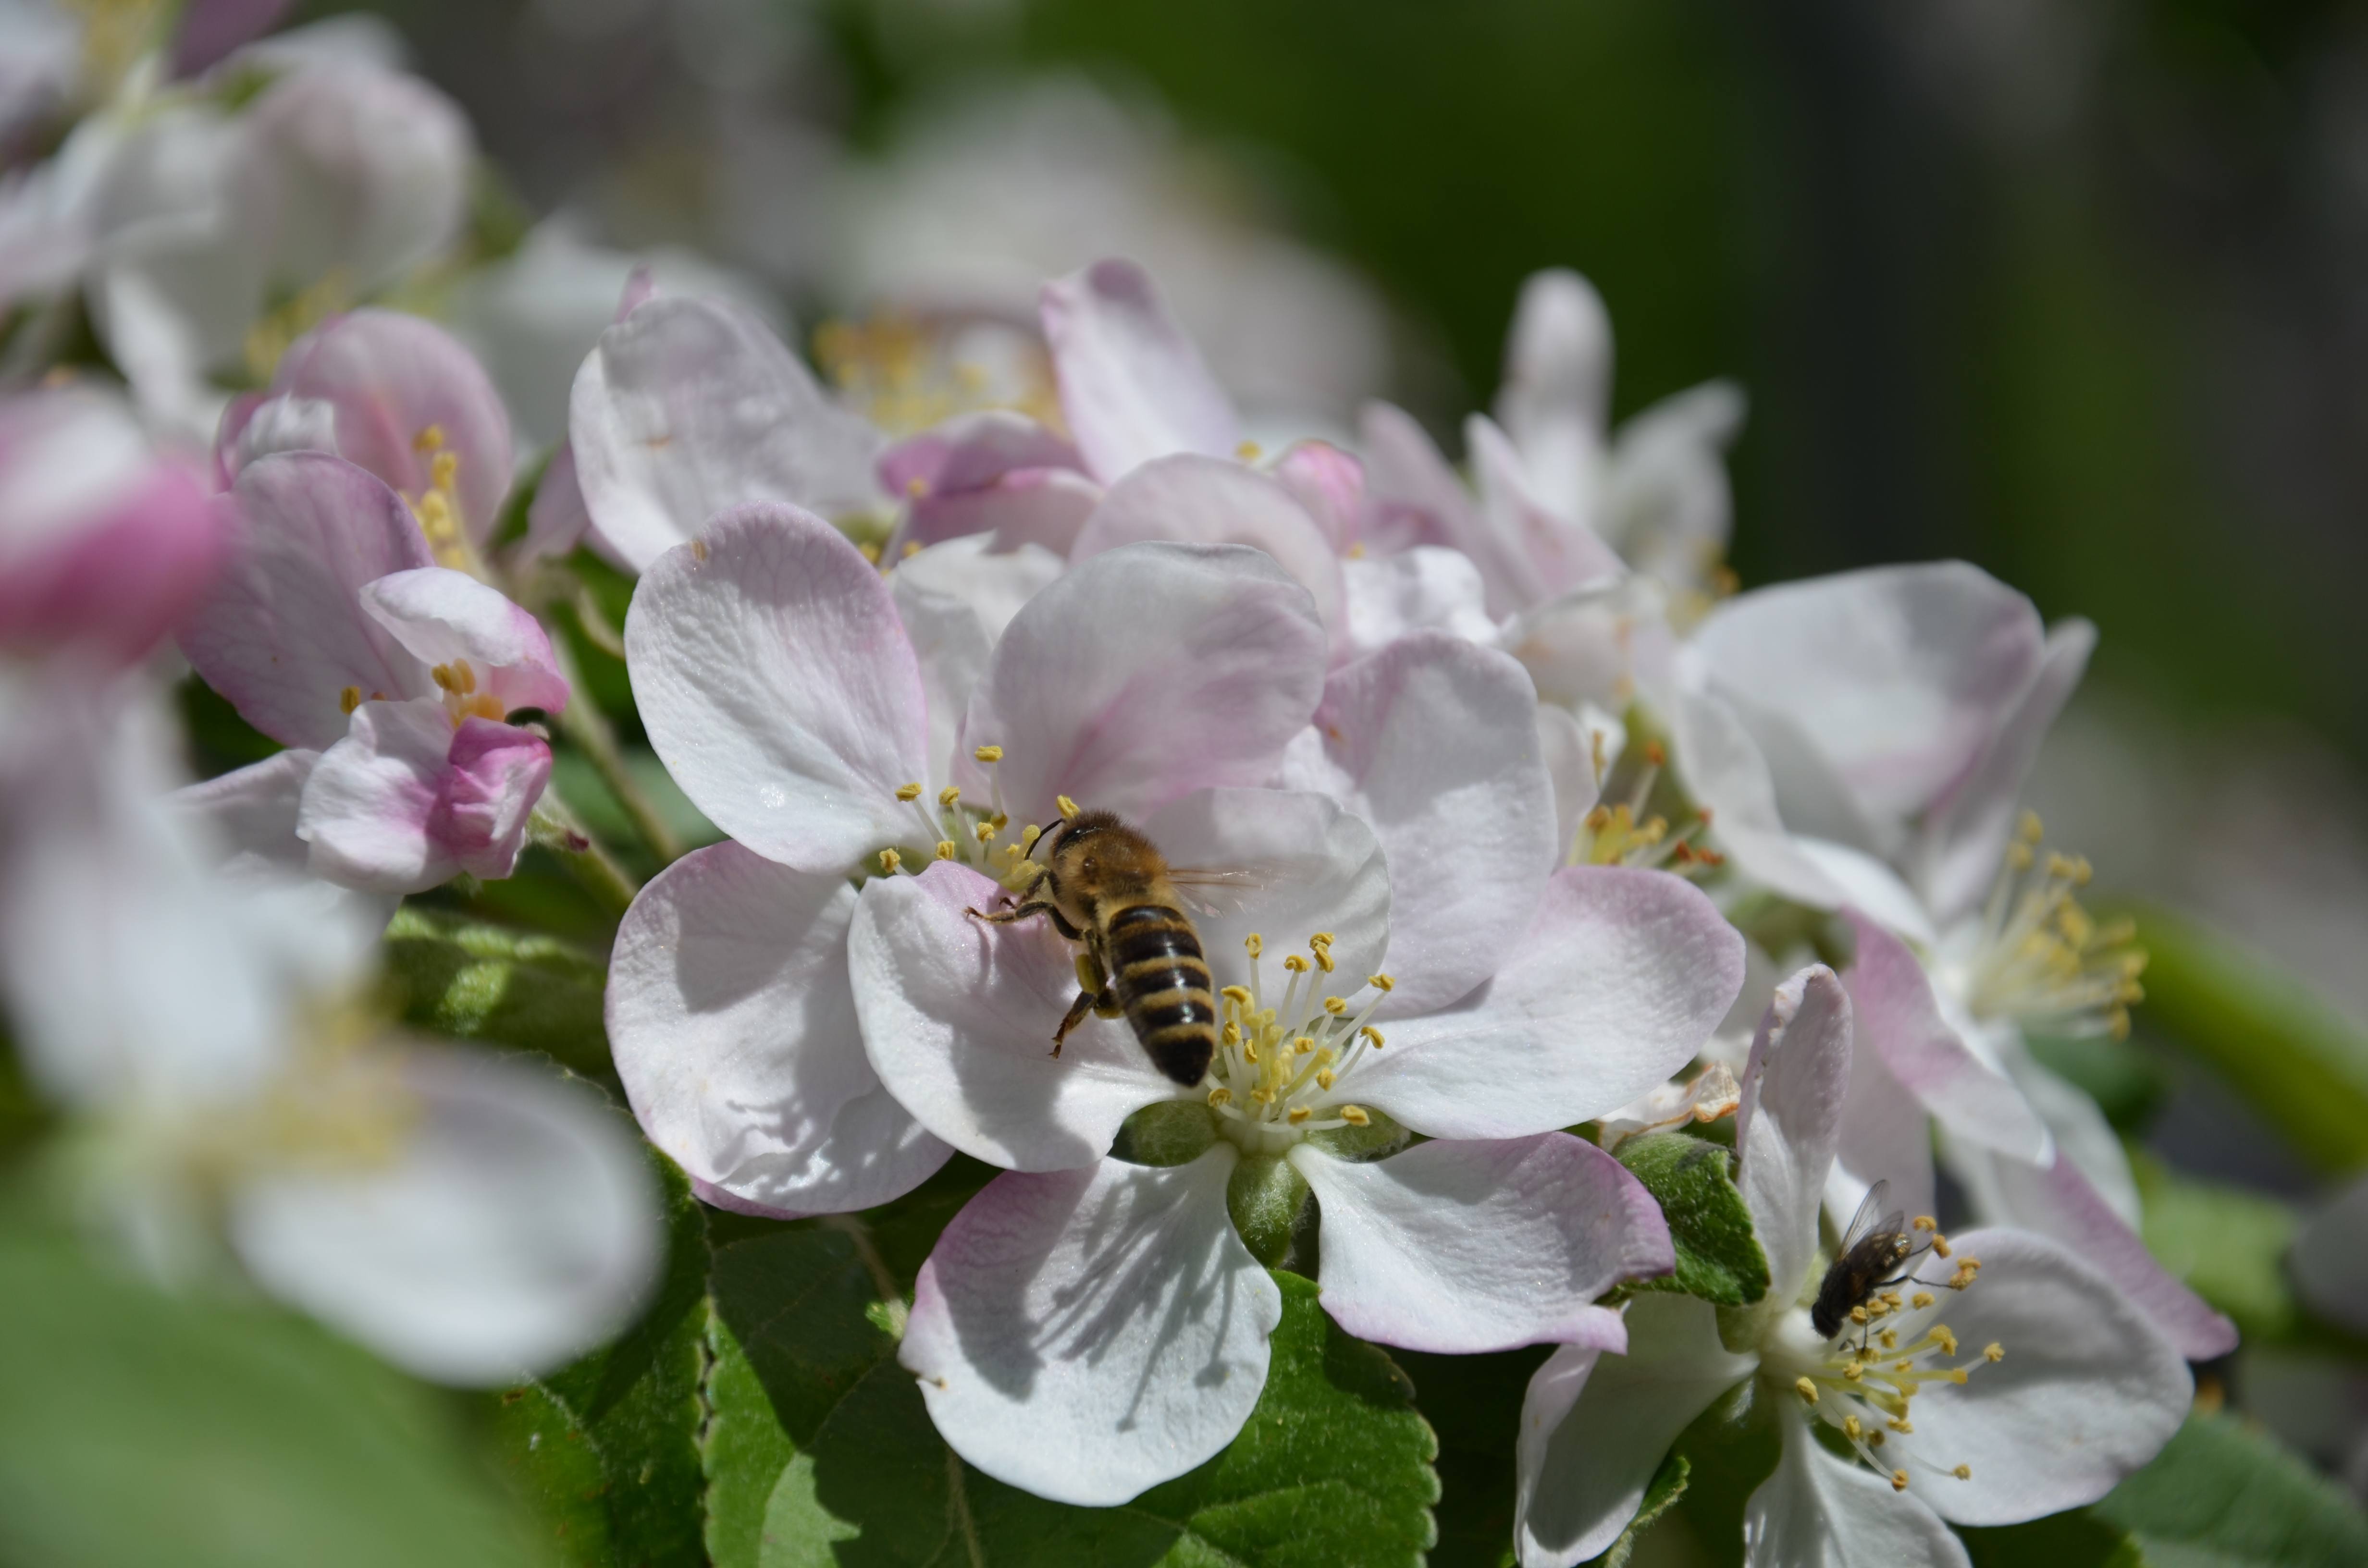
(556, 828)
(587, 729)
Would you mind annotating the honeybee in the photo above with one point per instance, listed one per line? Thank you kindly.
(1105, 885)
(1876, 1244)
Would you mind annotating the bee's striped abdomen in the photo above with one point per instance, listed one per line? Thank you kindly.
(1162, 979)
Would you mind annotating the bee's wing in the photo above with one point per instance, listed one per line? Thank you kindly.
(1214, 890)
(1872, 1217)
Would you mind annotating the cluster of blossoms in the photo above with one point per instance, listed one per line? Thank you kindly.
(1490, 809)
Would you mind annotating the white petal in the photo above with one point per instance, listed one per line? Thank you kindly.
(1314, 866)
(1426, 586)
(733, 1026)
(1546, 553)
(1434, 742)
(513, 1228)
(251, 813)
(1189, 499)
(1885, 1136)
(689, 407)
(1899, 1018)
(993, 579)
(1900, 674)
(958, 1018)
(1595, 1425)
(1555, 400)
(1463, 1247)
(1088, 1334)
(1790, 1120)
(1869, 886)
(1568, 751)
(1143, 674)
(1133, 385)
(2088, 1390)
(1601, 644)
(779, 688)
(1818, 1511)
(1721, 767)
(2330, 1258)
(1618, 982)
(1666, 504)
(369, 806)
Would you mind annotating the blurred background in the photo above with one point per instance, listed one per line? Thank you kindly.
(2076, 290)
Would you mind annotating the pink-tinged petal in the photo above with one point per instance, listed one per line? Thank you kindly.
(119, 578)
(1143, 674)
(1043, 507)
(1425, 588)
(281, 633)
(1822, 1511)
(970, 451)
(1434, 742)
(993, 581)
(777, 684)
(1596, 1424)
(2330, 1258)
(250, 812)
(1309, 865)
(513, 1227)
(1604, 643)
(1461, 1246)
(1133, 385)
(733, 1026)
(2089, 1390)
(1189, 499)
(1786, 1129)
(1899, 1018)
(1618, 982)
(1088, 1334)
(256, 426)
(1412, 495)
(1555, 400)
(2058, 1202)
(1887, 1135)
(1330, 483)
(691, 407)
(1552, 553)
(958, 1018)
(406, 800)
(556, 520)
(1964, 840)
(446, 618)
(1899, 675)
(404, 390)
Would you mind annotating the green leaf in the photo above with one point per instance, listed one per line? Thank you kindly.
(2223, 1495)
(1332, 1467)
(2228, 1244)
(1718, 1257)
(138, 1428)
(1661, 1494)
(2077, 1539)
(462, 977)
(1473, 1404)
(2302, 1063)
(608, 1448)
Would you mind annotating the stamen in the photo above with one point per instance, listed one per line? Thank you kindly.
(988, 754)
(891, 862)
(1354, 1115)
(908, 791)
(349, 700)
(1807, 1390)
(1068, 807)
(945, 848)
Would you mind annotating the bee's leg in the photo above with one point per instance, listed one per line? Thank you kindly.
(1075, 1016)
(1093, 975)
(1022, 911)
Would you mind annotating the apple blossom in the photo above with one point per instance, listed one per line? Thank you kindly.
(332, 631)
(2019, 1384)
(470, 1217)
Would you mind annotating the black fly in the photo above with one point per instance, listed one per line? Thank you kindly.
(1874, 1246)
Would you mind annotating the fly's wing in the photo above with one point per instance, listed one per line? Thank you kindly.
(1214, 890)
(1871, 1218)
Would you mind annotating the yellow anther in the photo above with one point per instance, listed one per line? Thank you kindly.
(948, 796)
(1899, 1478)
(1902, 1426)
(1963, 1472)
(1256, 944)
(1324, 1079)
(988, 754)
(1380, 983)
(1334, 1005)
(1805, 1389)
(1302, 1044)
(1890, 1338)
(1299, 1113)
(945, 848)
(1939, 1245)
(1372, 1036)
(912, 548)
(870, 551)
(349, 699)
(1237, 994)
(1854, 1370)
(1354, 1115)
(1858, 1314)
(986, 832)
(2029, 827)
(1960, 1279)
(908, 791)
(1221, 1096)
(1852, 1427)
(1941, 1335)
(1030, 834)
(891, 862)
(1248, 451)
(2018, 857)
(1875, 1439)
(428, 441)
(1993, 1351)
(1323, 959)
(1294, 963)
(1921, 1300)
(444, 470)
(1068, 807)
(917, 487)
(1925, 1223)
